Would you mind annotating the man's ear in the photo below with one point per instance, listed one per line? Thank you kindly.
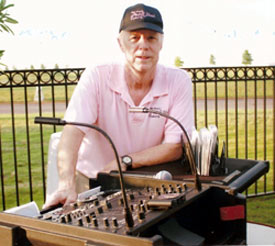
(119, 40)
(162, 37)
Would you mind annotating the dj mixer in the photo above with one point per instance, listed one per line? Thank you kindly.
(163, 212)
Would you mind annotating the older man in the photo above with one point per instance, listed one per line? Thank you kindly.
(103, 97)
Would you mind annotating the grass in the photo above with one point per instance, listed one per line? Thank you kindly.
(27, 180)
(258, 209)
(261, 210)
(233, 89)
(47, 93)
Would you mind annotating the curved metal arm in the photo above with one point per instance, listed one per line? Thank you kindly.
(187, 143)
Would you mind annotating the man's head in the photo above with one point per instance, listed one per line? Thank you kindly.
(141, 16)
(141, 37)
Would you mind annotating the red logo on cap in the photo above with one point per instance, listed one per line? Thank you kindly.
(140, 14)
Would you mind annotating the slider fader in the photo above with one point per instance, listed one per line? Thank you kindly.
(105, 211)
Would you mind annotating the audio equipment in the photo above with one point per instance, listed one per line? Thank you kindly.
(165, 212)
(105, 211)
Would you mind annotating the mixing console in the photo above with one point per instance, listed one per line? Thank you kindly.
(163, 212)
(104, 211)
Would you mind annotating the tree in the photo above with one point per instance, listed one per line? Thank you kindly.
(247, 58)
(1, 54)
(212, 59)
(178, 62)
(4, 19)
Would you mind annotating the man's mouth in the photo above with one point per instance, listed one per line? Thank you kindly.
(143, 57)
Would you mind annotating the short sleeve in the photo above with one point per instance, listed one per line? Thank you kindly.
(83, 106)
(180, 107)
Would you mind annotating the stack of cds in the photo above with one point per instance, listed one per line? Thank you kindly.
(205, 144)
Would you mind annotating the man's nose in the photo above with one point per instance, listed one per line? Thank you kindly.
(143, 43)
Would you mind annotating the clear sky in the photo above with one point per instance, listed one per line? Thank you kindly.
(78, 33)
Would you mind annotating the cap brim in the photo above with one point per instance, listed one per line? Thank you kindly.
(142, 25)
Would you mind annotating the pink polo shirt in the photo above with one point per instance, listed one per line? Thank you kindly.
(102, 98)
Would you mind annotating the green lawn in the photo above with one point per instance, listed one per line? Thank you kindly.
(233, 89)
(24, 161)
(261, 210)
(47, 93)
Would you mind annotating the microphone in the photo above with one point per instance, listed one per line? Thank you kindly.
(187, 144)
(164, 175)
(56, 121)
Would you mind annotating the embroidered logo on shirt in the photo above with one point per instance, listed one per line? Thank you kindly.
(140, 15)
(153, 115)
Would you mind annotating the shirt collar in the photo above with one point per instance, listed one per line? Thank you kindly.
(118, 84)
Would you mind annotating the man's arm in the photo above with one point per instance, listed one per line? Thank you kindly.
(158, 154)
(152, 156)
(68, 147)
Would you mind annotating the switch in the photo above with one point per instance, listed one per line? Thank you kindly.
(114, 221)
(106, 222)
(94, 222)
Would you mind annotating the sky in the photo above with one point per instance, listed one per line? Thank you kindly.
(79, 33)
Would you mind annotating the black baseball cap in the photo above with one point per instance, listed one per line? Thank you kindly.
(141, 16)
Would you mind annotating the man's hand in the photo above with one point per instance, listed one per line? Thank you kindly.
(113, 166)
(68, 147)
(61, 196)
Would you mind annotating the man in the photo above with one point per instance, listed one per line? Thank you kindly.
(103, 97)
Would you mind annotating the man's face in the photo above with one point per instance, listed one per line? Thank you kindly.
(141, 49)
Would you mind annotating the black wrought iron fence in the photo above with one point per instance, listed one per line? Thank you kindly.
(238, 100)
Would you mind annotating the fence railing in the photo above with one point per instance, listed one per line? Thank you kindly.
(238, 100)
